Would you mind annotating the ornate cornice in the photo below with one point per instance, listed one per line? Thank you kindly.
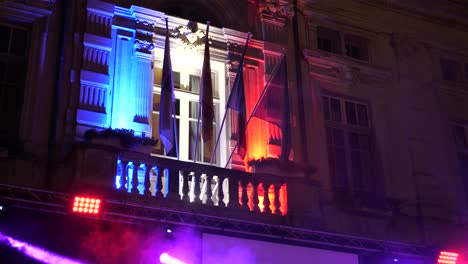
(144, 46)
(276, 8)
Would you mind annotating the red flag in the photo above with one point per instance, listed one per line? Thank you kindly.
(273, 105)
(236, 102)
(166, 122)
(206, 93)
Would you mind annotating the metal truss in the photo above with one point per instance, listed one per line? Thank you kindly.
(134, 212)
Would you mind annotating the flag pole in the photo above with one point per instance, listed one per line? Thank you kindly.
(195, 154)
(258, 102)
(249, 35)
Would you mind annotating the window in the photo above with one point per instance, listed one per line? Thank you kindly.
(354, 46)
(328, 40)
(451, 70)
(349, 145)
(460, 136)
(14, 46)
(187, 88)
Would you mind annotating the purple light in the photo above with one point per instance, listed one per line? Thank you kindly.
(167, 259)
(36, 253)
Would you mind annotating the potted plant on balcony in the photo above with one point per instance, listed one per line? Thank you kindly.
(276, 166)
(121, 138)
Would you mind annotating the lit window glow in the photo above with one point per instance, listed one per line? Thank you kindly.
(86, 205)
(447, 257)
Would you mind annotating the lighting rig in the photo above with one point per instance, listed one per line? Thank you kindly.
(138, 209)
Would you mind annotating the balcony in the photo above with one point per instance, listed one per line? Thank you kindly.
(139, 178)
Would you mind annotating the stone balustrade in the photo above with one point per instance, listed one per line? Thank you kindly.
(192, 183)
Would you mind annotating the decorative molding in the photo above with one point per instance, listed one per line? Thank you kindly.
(144, 46)
(276, 8)
(189, 36)
(334, 68)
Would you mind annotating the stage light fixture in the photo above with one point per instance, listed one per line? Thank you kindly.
(446, 257)
(86, 205)
(168, 259)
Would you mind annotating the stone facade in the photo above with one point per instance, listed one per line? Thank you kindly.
(393, 74)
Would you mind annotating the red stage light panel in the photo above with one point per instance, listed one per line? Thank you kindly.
(446, 257)
(86, 205)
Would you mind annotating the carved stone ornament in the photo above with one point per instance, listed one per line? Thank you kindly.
(143, 46)
(188, 36)
(276, 8)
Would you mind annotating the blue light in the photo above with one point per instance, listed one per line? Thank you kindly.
(395, 260)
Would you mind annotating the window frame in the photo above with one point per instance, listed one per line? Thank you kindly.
(342, 50)
(184, 96)
(352, 183)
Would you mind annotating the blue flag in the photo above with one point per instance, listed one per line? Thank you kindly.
(236, 101)
(166, 121)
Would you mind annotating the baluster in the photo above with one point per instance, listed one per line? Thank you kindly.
(173, 181)
(185, 186)
(196, 185)
(221, 192)
(209, 191)
(266, 198)
(233, 193)
(255, 200)
(245, 197)
(147, 182)
(123, 177)
(277, 202)
(136, 166)
(158, 184)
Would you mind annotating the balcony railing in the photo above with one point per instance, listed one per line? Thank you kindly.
(183, 184)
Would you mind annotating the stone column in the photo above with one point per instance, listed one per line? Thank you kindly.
(143, 76)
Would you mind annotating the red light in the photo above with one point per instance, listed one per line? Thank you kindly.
(86, 205)
(448, 257)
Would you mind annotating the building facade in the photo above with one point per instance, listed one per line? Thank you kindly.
(379, 122)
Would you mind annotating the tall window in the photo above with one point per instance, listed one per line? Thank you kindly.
(349, 143)
(460, 135)
(187, 88)
(331, 41)
(14, 45)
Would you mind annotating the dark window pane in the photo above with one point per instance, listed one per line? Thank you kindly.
(326, 108)
(340, 167)
(362, 115)
(4, 39)
(356, 169)
(451, 70)
(353, 140)
(335, 110)
(356, 47)
(194, 85)
(328, 40)
(176, 76)
(364, 142)
(177, 107)
(193, 109)
(157, 76)
(351, 113)
(338, 137)
(156, 101)
(16, 73)
(19, 42)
